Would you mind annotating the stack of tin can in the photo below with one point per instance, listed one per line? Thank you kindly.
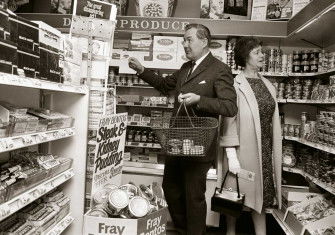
(230, 54)
(127, 201)
(274, 58)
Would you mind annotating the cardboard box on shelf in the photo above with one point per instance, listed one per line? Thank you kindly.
(321, 226)
(8, 56)
(154, 223)
(28, 35)
(49, 36)
(28, 63)
(304, 210)
(164, 59)
(4, 25)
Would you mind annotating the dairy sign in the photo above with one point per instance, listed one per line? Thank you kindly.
(109, 151)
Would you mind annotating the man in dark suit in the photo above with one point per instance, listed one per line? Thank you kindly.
(205, 84)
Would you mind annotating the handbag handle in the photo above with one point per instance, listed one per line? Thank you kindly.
(237, 184)
(189, 118)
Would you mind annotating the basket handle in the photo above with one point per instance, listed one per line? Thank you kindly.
(189, 118)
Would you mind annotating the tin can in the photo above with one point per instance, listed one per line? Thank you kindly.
(305, 67)
(313, 66)
(291, 130)
(296, 67)
(296, 56)
(98, 212)
(314, 55)
(147, 193)
(305, 55)
(101, 196)
(297, 130)
(138, 207)
(131, 189)
(117, 200)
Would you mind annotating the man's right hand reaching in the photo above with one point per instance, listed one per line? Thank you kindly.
(135, 65)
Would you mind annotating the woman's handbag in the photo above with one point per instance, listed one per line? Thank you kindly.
(227, 201)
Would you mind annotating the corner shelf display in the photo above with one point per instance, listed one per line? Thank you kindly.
(55, 127)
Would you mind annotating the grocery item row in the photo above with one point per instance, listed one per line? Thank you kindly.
(16, 120)
(318, 164)
(306, 89)
(38, 217)
(319, 129)
(128, 200)
(26, 169)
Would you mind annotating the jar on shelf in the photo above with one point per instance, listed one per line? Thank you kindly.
(305, 67)
(130, 135)
(296, 56)
(305, 55)
(144, 137)
(313, 66)
(137, 136)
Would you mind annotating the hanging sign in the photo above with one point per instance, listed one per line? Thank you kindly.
(109, 151)
(96, 9)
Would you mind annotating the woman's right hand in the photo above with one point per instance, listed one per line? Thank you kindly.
(233, 162)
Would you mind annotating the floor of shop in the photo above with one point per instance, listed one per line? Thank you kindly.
(244, 226)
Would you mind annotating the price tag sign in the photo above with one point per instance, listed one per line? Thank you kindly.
(9, 144)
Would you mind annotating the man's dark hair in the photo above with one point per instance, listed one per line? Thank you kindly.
(202, 31)
(242, 49)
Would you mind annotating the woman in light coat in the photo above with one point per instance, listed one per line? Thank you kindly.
(252, 139)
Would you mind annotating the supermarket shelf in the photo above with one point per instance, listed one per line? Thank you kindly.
(61, 225)
(143, 145)
(276, 214)
(136, 86)
(14, 80)
(132, 104)
(311, 178)
(312, 144)
(16, 142)
(155, 169)
(299, 101)
(10, 207)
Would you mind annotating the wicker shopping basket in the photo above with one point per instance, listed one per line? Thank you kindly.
(185, 135)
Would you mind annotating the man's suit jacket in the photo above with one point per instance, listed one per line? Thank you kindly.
(212, 80)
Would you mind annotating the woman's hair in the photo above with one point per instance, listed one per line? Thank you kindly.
(202, 31)
(242, 49)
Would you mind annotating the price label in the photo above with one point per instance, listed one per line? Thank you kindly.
(27, 139)
(9, 144)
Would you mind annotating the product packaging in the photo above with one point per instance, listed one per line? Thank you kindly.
(4, 25)
(8, 56)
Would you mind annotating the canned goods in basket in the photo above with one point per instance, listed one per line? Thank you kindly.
(138, 206)
(147, 193)
(117, 200)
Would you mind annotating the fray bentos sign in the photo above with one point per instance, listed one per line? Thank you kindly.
(152, 224)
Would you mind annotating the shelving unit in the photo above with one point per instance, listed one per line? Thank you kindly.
(61, 225)
(316, 181)
(67, 99)
(17, 203)
(312, 144)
